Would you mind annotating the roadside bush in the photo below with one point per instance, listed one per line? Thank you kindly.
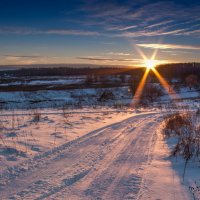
(187, 131)
(175, 123)
(198, 111)
(118, 105)
(106, 95)
(36, 117)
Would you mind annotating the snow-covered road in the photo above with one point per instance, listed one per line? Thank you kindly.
(108, 163)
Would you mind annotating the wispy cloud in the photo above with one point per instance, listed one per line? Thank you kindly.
(120, 28)
(69, 32)
(127, 20)
(95, 58)
(136, 62)
(127, 28)
(24, 56)
(108, 43)
(169, 46)
(145, 18)
(118, 53)
(159, 24)
(112, 23)
(146, 33)
(101, 9)
(172, 51)
(27, 31)
(192, 32)
(27, 59)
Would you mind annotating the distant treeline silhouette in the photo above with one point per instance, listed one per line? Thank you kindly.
(178, 70)
(69, 71)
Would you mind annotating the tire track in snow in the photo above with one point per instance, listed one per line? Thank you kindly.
(97, 186)
(119, 175)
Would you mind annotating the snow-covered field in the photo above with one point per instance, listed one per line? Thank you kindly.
(60, 98)
(82, 97)
(30, 132)
(68, 145)
(89, 153)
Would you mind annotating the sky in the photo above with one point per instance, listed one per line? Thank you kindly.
(112, 32)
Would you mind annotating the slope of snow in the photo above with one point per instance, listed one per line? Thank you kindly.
(161, 180)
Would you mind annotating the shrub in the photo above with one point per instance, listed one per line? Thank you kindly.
(175, 123)
(151, 93)
(191, 81)
(184, 127)
(198, 111)
(36, 117)
(106, 95)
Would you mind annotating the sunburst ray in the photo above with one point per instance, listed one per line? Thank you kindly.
(140, 88)
(150, 65)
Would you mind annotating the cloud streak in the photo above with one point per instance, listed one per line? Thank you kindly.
(146, 33)
(26, 31)
(26, 59)
(145, 18)
(131, 19)
(94, 58)
(169, 46)
(25, 56)
(118, 53)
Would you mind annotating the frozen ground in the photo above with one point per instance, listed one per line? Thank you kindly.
(88, 154)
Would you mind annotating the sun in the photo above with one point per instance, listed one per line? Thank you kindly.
(150, 64)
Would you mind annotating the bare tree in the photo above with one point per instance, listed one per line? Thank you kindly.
(191, 81)
(151, 93)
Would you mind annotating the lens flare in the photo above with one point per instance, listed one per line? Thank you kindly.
(140, 88)
(150, 64)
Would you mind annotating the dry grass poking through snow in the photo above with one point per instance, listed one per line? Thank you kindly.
(185, 129)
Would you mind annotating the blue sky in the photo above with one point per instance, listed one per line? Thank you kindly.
(98, 32)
